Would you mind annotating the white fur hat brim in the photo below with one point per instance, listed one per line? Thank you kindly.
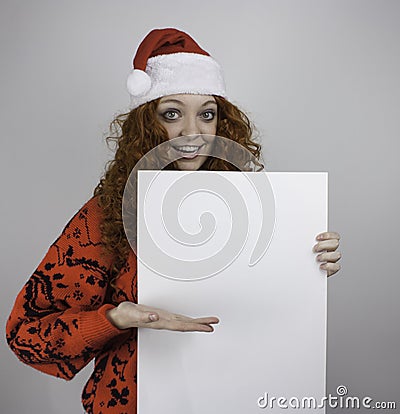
(175, 73)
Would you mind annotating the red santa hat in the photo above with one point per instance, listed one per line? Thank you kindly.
(168, 61)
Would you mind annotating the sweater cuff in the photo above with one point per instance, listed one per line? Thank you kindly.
(96, 329)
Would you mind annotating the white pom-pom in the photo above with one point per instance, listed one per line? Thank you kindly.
(138, 82)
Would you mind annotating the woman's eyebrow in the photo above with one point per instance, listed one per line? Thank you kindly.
(209, 102)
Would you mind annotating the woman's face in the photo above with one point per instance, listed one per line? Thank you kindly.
(186, 114)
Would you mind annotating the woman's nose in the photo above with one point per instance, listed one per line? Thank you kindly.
(190, 127)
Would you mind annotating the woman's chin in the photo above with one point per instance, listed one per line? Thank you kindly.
(191, 164)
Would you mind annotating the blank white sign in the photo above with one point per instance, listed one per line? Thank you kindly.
(270, 343)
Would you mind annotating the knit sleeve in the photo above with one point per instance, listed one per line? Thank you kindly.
(58, 322)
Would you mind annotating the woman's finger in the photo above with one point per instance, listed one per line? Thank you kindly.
(191, 326)
(331, 268)
(183, 318)
(328, 235)
(329, 257)
(208, 320)
(175, 325)
(329, 245)
(176, 322)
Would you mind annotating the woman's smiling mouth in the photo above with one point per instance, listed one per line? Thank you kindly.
(187, 151)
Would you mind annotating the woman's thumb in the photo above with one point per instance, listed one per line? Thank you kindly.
(153, 317)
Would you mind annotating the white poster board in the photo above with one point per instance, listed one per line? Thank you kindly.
(271, 339)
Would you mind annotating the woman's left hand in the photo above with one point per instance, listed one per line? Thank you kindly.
(328, 242)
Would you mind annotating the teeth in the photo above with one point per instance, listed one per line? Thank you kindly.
(188, 148)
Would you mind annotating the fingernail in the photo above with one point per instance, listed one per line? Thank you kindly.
(153, 317)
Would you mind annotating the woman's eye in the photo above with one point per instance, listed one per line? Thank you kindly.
(170, 115)
(208, 115)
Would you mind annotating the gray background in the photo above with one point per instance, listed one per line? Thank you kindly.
(319, 78)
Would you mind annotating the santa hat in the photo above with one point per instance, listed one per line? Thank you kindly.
(168, 61)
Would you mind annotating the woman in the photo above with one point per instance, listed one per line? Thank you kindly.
(81, 301)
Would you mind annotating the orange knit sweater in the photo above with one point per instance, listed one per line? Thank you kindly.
(58, 321)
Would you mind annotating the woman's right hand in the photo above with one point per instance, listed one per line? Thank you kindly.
(132, 315)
